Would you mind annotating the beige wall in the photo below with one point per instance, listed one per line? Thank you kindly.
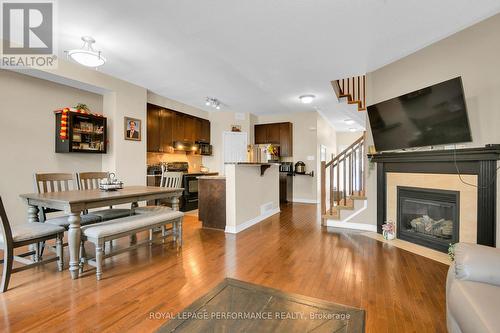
(27, 135)
(345, 139)
(119, 99)
(473, 54)
(326, 137)
(305, 143)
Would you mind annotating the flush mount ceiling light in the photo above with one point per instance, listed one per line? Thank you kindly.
(307, 99)
(352, 130)
(213, 102)
(87, 56)
(349, 121)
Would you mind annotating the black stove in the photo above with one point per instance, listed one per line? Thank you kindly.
(189, 199)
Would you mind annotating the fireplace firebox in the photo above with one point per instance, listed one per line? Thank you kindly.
(428, 217)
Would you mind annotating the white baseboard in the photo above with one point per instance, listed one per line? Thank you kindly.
(351, 225)
(247, 224)
(309, 201)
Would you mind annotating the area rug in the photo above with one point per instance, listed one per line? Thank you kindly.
(237, 306)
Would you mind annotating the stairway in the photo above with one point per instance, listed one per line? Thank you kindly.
(343, 185)
(353, 88)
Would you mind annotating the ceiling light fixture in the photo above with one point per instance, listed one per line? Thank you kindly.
(87, 56)
(213, 102)
(349, 121)
(307, 99)
(352, 130)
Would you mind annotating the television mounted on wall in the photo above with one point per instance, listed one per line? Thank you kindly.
(435, 115)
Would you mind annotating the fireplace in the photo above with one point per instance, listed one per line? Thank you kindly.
(428, 217)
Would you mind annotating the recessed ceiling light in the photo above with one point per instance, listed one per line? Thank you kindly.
(87, 56)
(352, 129)
(349, 121)
(307, 99)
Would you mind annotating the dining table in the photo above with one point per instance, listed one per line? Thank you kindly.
(75, 202)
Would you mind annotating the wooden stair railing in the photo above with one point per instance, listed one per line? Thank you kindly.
(353, 88)
(346, 178)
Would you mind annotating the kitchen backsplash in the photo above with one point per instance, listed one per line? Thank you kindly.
(194, 161)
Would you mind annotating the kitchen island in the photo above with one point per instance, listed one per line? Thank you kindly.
(248, 194)
(212, 201)
(252, 194)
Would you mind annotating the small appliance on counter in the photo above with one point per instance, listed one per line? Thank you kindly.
(300, 168)
(204, 148)
(111, 183)
(286, 167)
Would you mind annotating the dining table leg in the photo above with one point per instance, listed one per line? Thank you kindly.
(175, 202)
(33, 218)
(133, 238)
(74, 240)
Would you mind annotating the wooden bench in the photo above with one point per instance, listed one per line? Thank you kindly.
(100, 233)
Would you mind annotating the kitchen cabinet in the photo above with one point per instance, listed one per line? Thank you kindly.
(260, 134)
(189, 129)
(165, 126)
(159, 129)
(286, 187)
(166, 130)
(178, 127)
(286, 139)
(153, 131)
(202, 132)
(205, 131)
(276, 133)
(273, 133)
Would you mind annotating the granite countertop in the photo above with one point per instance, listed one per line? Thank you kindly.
(190, 173)
(212, 177)
(251, 163)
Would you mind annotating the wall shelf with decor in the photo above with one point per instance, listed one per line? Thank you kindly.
(82, 133)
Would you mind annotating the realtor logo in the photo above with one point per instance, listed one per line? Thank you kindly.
(28, 34)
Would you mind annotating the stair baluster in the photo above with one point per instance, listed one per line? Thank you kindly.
(353, 88)
(352, 182)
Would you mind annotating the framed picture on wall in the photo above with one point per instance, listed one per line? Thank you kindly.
(132, 129)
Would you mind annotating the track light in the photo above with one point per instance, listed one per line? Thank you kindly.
(213, 102)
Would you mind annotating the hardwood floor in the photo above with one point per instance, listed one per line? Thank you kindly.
(400, 291)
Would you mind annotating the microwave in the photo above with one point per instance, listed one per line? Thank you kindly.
(204, 148)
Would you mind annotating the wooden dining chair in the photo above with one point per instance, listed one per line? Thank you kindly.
(20, 235)
(58, 182)
(90, 181)
(168, 180)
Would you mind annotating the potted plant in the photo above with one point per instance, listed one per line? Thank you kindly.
(388, 230)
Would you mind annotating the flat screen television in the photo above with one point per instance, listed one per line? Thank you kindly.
(431, 116)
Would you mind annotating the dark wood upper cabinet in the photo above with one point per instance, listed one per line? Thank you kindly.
(178, 127)
(260, 134)
(205, 131)
(153, 128)
(273, 133)
(189, 129)
(276, 133)
(286, 139)
(166, 126)
(166, 130)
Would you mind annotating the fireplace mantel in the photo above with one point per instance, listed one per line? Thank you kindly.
(443, 155)
(480, 161)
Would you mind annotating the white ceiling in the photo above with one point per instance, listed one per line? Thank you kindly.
(258, 55)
